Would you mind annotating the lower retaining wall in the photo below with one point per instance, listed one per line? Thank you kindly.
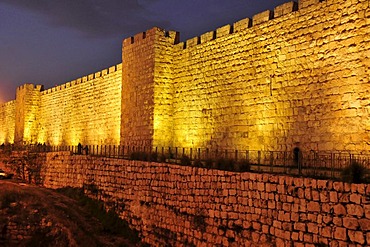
(185, 206)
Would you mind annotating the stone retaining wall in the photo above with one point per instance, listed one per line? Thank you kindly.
(178, 205)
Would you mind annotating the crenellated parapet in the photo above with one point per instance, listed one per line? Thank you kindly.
(296, 76)
(83, 79)
(258, 19)
(151, 34)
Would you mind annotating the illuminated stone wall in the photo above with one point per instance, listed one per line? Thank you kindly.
(26, 113)
(294, 78)
(7, 122)
(147, 88)
(173, 205)
(86, 110)
(297, 76)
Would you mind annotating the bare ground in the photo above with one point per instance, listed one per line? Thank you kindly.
(49, 219)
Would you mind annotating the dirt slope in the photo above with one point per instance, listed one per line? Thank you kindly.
(34, 216)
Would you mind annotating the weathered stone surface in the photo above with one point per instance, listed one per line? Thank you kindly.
(350, 223)
(340, 233)
(300, 78)
(224, 214)
(355, 210)
(340, 210)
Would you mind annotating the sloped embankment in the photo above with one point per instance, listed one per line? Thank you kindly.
(34, 216)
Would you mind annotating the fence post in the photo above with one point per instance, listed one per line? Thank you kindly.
(191, 153)
(332, 165)
(300, 163)
(285, 162)
(259, 161)
(199, 154)
(271, 161)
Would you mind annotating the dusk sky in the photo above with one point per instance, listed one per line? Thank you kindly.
(51, 42)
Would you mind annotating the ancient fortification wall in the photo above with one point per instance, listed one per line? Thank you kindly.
(147, 88)
(172, 204)
(86, 110)
(300, 79)
(297, 76)
(7, 123)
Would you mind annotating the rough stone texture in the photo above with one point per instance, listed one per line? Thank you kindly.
(292, 77)
(178, 205)
(7, 123)
(26, 113)
(86, 110)
(295, 80)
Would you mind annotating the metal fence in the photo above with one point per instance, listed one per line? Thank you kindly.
(311, 164)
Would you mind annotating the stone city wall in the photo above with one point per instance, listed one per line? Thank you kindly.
(297, 76)
(177, 205)
(86, 110)
(7, 122)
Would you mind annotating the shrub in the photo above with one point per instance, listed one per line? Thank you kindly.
(111, 223)
(242, 166)
(225, 164)
(185, 161)
(143, 156)
(354, 173)
(139, 156)
(198, 163)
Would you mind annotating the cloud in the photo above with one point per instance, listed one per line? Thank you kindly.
(94, 18)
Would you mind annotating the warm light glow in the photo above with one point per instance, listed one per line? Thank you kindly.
(87, 112)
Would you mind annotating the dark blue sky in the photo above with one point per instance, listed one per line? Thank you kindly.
(52, 42)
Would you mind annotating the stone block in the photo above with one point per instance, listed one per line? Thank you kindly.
(223, 31)
(350, 223)
(364, 224)
(313, 207)
(285, 8)
(356, 236)
(242, 24)
(306, 3)
(355, 210)
(355, 198)
(340, 210)
(207, 37)
(333, 195)
(340, 233)
(262, 17)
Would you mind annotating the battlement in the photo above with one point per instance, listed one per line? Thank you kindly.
(84, 79)
(9, 103)
(282, 79)
(173, 36)
(258, 19)
(31, 86)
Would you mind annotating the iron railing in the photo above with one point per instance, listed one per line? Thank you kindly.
(311, 164)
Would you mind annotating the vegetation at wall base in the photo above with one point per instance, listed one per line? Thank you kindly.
(185, 161)
(111, 223)
(354, 173)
